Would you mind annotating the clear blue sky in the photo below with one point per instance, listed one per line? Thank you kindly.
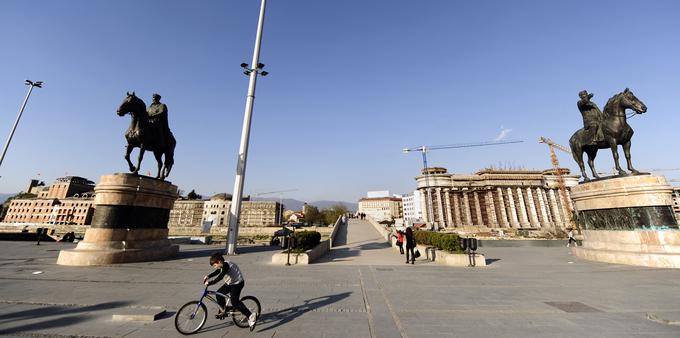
(351, 84)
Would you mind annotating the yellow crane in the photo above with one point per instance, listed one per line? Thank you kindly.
(560, 179)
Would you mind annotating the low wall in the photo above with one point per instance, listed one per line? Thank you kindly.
(336, 226)
(385, 233)
(309, 256)
(446, 258)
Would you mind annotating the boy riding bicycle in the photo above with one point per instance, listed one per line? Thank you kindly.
(233, 284)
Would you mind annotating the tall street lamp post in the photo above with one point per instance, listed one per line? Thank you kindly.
(235, 209)
(31, 84)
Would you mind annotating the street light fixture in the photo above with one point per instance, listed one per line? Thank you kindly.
(31, 84)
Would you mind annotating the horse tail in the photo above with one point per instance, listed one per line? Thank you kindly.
(170, 151)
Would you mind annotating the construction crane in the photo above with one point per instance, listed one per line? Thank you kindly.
(424, 149)
(560, 179)
(280, 192)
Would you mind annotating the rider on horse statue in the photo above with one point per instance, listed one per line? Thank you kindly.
(158, 120)
(592, 118)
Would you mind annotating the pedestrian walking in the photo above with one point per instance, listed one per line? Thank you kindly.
(570, 234)
(400, 241)
(410, 245)
(344, 219)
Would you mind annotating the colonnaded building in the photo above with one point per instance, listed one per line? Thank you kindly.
(494, 198)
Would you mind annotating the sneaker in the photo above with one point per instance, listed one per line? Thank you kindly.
(220, 314)
(251, 321)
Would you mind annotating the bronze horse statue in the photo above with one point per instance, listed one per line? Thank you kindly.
(144, 135)
(616, 132)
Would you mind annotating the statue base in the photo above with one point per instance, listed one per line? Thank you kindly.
(129, 223)
(628, 220)
(651, 248)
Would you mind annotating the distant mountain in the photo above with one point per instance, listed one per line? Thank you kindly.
(296, 205)
(327, 204)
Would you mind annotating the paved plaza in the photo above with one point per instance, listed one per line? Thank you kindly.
(362, 289)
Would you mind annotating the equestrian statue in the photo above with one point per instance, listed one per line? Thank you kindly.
(148, 131)
(602, 130)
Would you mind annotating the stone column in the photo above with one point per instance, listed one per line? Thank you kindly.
(514, 221)
(524, 219)
(478, 209)
(490, 210)
(545, 221)
(557, 218)
(533, 215)
(423, 204)
(466, 207)
(440, 212)
(546, 201)
(456, 210)
(501, 208)
(565, 211)
(449, 220)
(571, 205)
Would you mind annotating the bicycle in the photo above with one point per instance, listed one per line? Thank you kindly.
(192, 316)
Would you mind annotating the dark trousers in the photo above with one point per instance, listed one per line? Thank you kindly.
(413, 255)
(401, 247)
(234, 292)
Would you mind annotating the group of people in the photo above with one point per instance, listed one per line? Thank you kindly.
(406, 237)
(359, 215)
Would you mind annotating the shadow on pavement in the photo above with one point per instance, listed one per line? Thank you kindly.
(275, 319)
(54, 310)
(492, 260)
(338, 254)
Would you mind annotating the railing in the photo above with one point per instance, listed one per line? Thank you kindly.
(336, 226)
(385, 233)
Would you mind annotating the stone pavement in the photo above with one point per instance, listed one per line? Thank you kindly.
(524, 292)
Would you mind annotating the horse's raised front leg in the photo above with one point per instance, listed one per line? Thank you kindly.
(615, 153)
(128, 151)
(626, 152)
(139, 160)
(159, 161)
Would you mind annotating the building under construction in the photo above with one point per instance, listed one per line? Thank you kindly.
(491, 198)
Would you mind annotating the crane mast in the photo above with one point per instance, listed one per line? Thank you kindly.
(562, 186)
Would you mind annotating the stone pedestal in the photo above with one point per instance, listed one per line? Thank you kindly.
(628, 220)
(130, 223)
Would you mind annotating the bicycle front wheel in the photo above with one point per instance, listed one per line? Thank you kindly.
(191, 317)
(253, 305)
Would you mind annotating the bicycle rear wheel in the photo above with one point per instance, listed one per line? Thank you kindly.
(191, 317)
(253, 305)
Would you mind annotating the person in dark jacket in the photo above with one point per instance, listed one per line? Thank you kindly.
(410, 245)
